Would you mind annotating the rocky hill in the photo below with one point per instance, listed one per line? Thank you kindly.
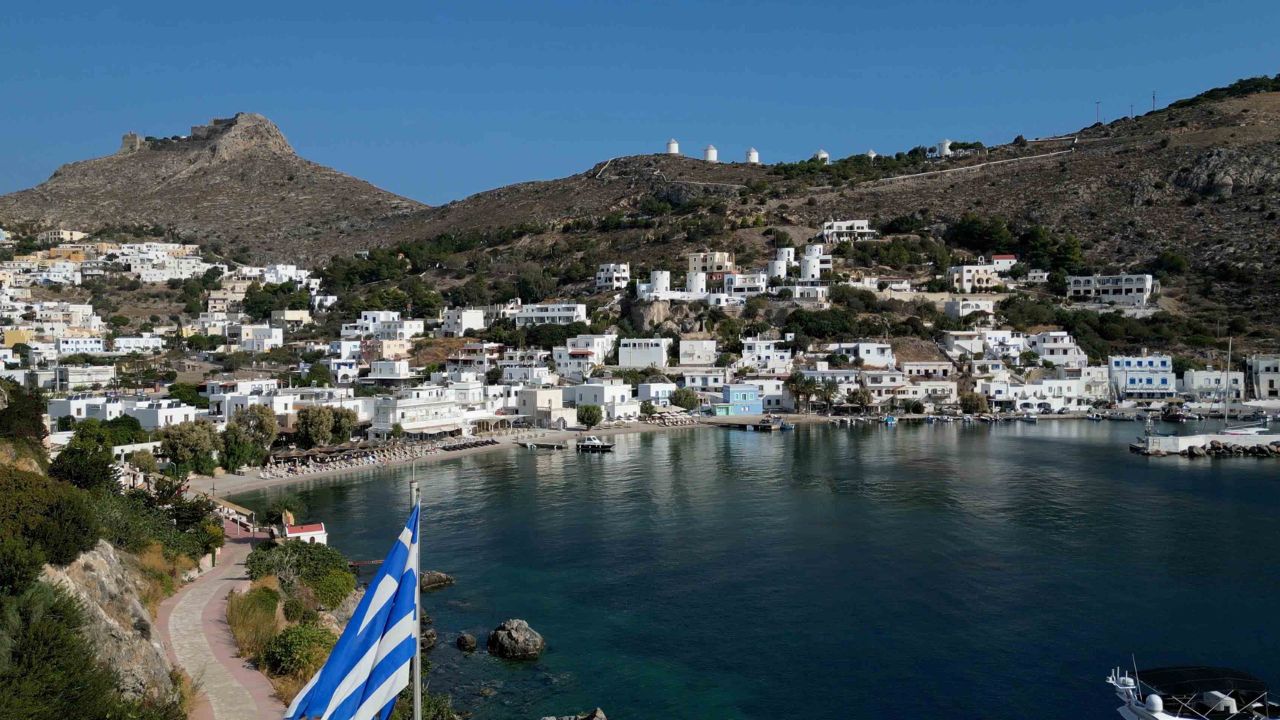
(235, 182)
(1198, 181)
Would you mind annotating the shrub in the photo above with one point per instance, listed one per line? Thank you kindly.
(298, 650)
(19, 566)
(294, 560)
(51, 516)
(332, 588)
(589, 415)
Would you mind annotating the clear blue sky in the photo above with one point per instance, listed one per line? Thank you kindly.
(436, 99)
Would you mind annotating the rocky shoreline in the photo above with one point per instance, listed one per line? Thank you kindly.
(1220, 449)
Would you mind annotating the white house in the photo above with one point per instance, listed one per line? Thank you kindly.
(1057, 347)
(644, 352)
(1131, 290)
(76, 345)
(847, 231)
(1147, 377)
(972, 278)
(457, 321)
(1264, 376)
(698, 352)
(57, 237)
(613, 276)
(961, 307)
(551, 314)
(139, 344)
(422, 411)
(872, 354)
(307, 533)
(612, 395)
(766, 356)
(706, 379)
(745, 285)
(1212, 385)
(260, 338)
(773, 392)
(580, 355)
(963, 342)
(658, 393)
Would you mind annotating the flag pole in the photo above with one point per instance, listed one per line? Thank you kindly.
(415, 500)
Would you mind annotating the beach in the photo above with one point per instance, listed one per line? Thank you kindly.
(233, 483)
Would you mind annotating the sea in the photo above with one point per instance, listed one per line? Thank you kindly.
(965, 571)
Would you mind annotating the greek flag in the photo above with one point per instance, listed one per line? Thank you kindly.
(370, 664)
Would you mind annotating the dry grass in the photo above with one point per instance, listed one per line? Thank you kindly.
(254, 618)
(287, 687)
(189, 690)
(161, 575)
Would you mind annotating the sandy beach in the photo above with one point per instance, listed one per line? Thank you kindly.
(234, 483)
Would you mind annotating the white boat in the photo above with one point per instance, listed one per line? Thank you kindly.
(593, 444)
(1208, 693)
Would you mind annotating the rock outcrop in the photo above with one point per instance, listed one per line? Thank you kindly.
(434, 580)
(235, 181)
(596, 714)
(515, 640)
(117, 623)
(467, 642)
(1224, 172)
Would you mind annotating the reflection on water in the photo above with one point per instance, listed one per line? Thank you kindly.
(851, 572)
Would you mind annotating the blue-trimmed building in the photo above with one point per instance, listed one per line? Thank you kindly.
(739, 399)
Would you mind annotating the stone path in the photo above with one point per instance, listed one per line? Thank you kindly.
(194, 628)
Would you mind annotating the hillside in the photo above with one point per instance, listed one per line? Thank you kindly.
(1198, 182)
(235, 183)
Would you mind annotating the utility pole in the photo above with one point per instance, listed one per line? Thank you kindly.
(1097, 111)
(1153, 101)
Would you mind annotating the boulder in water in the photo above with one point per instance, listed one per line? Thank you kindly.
(467, 642)
(434, 580)
(515, 640)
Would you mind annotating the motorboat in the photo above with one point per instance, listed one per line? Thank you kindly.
(593, 444)
(1192, 691)
(1094, 417)
(890, 420)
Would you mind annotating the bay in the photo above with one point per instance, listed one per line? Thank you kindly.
(971, 571)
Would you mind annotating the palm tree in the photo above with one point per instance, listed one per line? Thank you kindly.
(808, 388)
(829, 391)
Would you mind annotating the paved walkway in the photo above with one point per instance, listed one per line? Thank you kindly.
(193, 625)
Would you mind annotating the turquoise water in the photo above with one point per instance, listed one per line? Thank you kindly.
(968, 572)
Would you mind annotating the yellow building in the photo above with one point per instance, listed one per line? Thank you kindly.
(14, 336)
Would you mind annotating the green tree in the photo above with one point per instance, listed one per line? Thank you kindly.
(344, 424)
(144, 461)
(239, 449)
(686, 398)
(647, 408)
(971, 403)
(314, 426)
(190, 446)
(318, 375)
(259, 423)
(589, 415)
(189, 394)
(87, 461)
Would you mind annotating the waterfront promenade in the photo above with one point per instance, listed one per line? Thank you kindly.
(193, 627)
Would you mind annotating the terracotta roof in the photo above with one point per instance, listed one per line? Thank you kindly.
(300, 529)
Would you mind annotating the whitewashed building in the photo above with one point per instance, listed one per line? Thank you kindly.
(1057, 347)
(613, 276)
(698, 352)
(1264, 376)
(847, 231)
(1130, 290)
(1212, 385)
(1142, 377)
(644, 352)
(551, 314)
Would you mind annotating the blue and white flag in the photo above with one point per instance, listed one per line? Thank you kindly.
(370, 665)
